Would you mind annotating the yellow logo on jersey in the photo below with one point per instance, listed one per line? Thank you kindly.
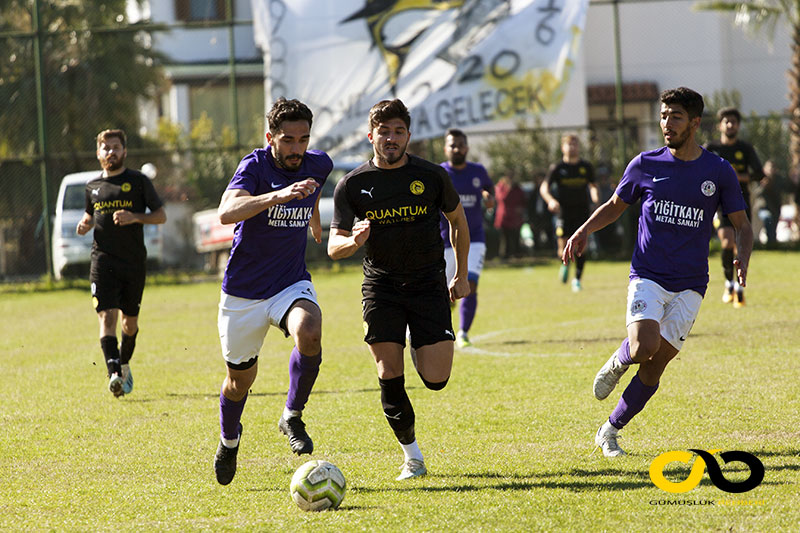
(417, 187)
(582, 170)
(126, 187)
(739, 154)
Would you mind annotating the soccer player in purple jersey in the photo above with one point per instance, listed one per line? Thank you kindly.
(474, 186)
(272, 198)
(398, 198)
(680, 186)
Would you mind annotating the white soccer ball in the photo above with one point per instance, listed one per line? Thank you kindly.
(317, 485)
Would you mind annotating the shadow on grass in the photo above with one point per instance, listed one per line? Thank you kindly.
(210, 396)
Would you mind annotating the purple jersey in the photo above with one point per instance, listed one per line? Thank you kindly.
(269, 249)
(469, 182)
(679, 199)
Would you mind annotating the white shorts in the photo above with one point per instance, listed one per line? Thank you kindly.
(243, 323)
(477, 251)
(674, 311)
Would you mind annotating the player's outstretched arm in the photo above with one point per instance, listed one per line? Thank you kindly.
(238, 204)
(744, 244)
(342, 244)
(602, 217)
(459, 238)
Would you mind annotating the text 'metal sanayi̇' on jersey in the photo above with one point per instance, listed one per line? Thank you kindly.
(679, 199)
(131, 191)
(269, 249)
(403, 206)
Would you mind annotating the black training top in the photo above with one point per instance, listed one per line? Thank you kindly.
(132, 191)
(744, 160)
(569, 182)
(403, 205)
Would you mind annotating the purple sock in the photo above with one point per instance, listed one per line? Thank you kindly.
(632, 401)
(303, 371)
(467, 310)
(230, 413)
(624, 354)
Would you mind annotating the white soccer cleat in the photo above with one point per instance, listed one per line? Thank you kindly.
(412, 468)
(127, 379)
(115, 385)
(608, 377)
(606, 440)
(462, 340)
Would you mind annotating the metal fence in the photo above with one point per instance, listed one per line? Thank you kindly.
(69, 70)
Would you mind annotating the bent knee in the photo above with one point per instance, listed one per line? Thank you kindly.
(644, 349)
(439, 385)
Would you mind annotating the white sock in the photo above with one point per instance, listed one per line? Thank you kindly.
(608, 428)
(411, 451)
(736, 286)
(729, 284)
(230, 443)
(289, 413)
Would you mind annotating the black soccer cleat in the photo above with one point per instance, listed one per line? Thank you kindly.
(295, 429)
(225, 462)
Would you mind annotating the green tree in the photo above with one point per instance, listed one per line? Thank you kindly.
(94, 78)
(763, 16)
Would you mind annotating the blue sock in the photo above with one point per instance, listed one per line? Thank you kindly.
(303, 371)
(230, 413)
(624, 353)
(467, 310)
(632, 402)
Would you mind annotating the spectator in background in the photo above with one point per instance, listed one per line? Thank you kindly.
(769, 192)
(540, 219)
(509, 214)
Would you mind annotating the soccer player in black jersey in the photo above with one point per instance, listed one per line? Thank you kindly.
(565, 190)
(744, 160)
(116, 207)
(397, 198)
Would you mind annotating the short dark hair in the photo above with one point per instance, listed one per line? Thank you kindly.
(386, 110)
(283, 110)
(455, 132)
(104, 135)
(690, 100)
(729, 112)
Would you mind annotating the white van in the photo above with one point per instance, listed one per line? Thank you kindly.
(72, 252)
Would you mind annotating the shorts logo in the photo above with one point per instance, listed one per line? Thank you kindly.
(94, 288)
(366, 327)
(705, 460)
(125, 187)
(708, 188)
(417, 187)
(638, 306)
(476, 182)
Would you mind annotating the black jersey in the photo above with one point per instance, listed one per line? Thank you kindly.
(744, 160)
(569, 182)
(403, 205)
(131, 191)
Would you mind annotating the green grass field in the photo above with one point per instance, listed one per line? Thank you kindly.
(508, 443)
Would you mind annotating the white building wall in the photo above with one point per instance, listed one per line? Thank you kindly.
(672, 45)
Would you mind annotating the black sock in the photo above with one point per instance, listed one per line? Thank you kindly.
(111, 354)
(397, 408)
(579, 262)
(127, 346)
(727, 263)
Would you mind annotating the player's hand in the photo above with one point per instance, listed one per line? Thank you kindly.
(459, 288)
(554, 206)
(297, 191)
(574, 247)
(123, 217)
(741, 271)
(83, 227)
(361, 230)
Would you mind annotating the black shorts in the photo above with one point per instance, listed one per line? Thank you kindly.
(725, 222)
(423, 306)
(116, 284)
(567, 225)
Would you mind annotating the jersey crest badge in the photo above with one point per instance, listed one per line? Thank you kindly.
(126, 187)
(638, 306)
(476, 182)
(417, 187)
(708, 188)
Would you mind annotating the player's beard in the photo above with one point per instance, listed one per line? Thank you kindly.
(457, 159)
(291, 163)
(111, 163)
(678, 139)
(392, 158)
